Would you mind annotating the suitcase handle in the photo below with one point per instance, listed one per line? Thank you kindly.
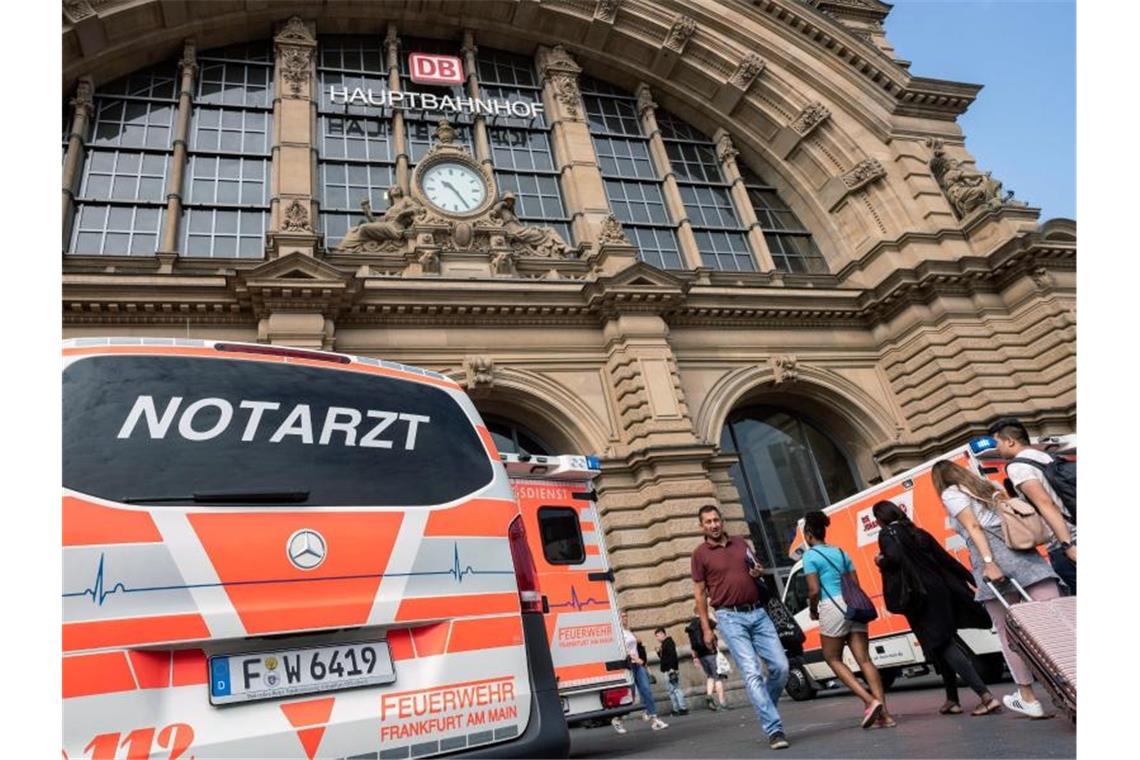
(1001, 597)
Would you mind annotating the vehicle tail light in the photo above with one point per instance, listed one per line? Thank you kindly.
(617, 697)
(295, 353)
(525, 573)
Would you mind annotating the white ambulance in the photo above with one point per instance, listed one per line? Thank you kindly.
(853, 528)
(558, 504)
(272, 552)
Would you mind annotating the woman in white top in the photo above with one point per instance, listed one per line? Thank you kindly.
(640, 680)
(970, 500)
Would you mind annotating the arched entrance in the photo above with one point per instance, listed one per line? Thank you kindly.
(789, 464)
(512, 438)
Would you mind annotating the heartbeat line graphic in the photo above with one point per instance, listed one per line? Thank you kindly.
(577, 603)
(98, 590)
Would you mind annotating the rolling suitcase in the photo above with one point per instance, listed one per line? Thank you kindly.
(1045, 635)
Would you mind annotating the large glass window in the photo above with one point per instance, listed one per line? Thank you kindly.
(632, 184)
(225, 211)
(129, 147)
(788, 467)
(355, 147)
(520, 147)
(791, 245)
(721, 238)
(511, 439)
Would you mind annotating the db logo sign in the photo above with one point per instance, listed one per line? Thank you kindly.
(435, 69)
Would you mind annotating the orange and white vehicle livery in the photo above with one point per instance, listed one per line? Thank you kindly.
(557, 500)
(271, 552)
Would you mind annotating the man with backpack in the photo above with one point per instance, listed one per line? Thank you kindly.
(1050, 485)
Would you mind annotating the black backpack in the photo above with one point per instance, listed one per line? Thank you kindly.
(1061, 474)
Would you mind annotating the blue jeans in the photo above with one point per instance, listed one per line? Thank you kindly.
(641, 680)
(676, 693)
(1064, 567)
(752, 637)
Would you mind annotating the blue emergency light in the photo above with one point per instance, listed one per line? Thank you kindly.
(985, 443)
(593, 463)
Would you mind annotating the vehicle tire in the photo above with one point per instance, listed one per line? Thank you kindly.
(799, 685)
(888, 676)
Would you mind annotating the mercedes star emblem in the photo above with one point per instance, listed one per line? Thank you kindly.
(306, 549)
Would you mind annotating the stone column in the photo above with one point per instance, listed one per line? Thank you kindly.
(84, 105)
(479, 129)
(187, 72)
(292, 228)
(579, 176)
(399, 134)
(726, 153)
(688, 242)
(651, 490)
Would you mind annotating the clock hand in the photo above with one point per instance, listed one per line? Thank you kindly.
(462, 200)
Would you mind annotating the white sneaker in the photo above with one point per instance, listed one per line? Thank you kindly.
(645, 716)
(618, 725)
(1017, 704)
(658, 724)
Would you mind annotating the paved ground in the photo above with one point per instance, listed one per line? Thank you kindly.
(827, 727)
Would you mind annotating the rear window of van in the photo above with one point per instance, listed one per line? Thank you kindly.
(164, 428)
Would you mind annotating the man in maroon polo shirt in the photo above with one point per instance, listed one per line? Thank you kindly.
(725, 573)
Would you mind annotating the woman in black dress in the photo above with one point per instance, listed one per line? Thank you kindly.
(932, 589)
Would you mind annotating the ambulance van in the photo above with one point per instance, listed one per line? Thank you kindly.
(854, 529)
(559, 509)
(271, 552)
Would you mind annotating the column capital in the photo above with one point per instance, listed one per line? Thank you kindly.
(84, 100)
(560, 73)
(188, 63)
(295, 48)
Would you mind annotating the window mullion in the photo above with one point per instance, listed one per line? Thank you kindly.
(726, 153)
(672, 193)
(187, 70)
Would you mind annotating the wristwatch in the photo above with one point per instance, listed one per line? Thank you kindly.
(987, 559)
(1067, 544)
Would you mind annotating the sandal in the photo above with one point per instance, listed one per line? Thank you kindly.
(989, 708)
(872, 713)
(950, 708)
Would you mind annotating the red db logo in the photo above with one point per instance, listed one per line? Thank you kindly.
(435, 69)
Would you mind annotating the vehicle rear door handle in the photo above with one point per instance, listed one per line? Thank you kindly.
(608, 575)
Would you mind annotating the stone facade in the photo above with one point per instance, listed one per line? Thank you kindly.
(929, 323)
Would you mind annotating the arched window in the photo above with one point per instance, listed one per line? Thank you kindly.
(788, 466)
(514, 439)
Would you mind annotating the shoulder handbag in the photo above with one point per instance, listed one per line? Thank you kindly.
(787, 628)
(903, 591)
(860, 608)
(723, 667)
(1021, 526)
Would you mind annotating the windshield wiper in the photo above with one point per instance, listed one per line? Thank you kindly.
(229, 497)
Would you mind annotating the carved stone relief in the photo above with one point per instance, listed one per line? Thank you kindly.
(77, 10)
(680, 33)
(297, 218)
(784, 369)
(966, 189)
(809, 118)
(612, 232)
(747, 71)
(606, 10)
(480, 372)
(560, 69)
(295, 46)
(863, 173)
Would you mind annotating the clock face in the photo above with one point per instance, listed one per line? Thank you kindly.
(454, 187)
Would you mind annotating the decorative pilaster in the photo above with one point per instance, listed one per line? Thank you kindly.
(688, 242)
(399, 133)
(581, 181)
(187, 73)
(726, 153)
(84, 108)
(292, 228)
(482, 139)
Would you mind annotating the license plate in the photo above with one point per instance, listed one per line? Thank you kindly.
(288, 672)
